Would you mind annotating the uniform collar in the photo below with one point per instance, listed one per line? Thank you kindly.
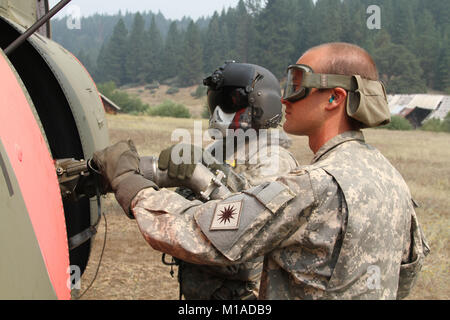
(337, 140)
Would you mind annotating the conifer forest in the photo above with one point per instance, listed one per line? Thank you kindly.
(410, 45)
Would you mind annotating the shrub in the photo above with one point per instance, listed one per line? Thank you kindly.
(432, 125)
(170, 81)
(126, 102)
(106, 88)
(153, 85)
(437, 125)
(446, 123)
(205, 112)
(170, 109)
(199, 92)
(398, 123)
(172, 90)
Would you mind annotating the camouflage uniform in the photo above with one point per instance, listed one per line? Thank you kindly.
(239, 281)
(343, 227)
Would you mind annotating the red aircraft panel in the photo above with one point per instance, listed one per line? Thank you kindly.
(35, 172)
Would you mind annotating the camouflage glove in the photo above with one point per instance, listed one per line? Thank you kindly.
(119, 167)
(179, 164)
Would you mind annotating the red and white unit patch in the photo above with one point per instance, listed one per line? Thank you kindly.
(227, 216)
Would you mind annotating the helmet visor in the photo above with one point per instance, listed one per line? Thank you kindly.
(295, 88)
(229, 99)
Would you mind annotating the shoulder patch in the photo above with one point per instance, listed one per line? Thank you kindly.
(229, 224)
(227, 216)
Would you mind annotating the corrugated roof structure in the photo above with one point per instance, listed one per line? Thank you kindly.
(425, 101)
(108, 105)
(418, 108)
(442, 109)
(397, 109)
(399, 99)
(405, 111)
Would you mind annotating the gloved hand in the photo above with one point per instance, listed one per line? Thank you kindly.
(179, 164)
(119, 166)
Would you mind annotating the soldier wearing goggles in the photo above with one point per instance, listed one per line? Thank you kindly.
(342, 227)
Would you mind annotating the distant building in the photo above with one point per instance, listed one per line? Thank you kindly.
(109, 106)
(418, 108)
(442, 109)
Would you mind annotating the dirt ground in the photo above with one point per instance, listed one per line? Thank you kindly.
(131, 269)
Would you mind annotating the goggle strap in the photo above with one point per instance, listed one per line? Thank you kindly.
(329, 81)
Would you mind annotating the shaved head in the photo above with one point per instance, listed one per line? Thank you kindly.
(345, 59)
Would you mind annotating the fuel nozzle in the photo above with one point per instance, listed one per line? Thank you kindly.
(77, 179)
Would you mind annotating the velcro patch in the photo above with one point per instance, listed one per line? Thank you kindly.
(273, 195)
(226, 216)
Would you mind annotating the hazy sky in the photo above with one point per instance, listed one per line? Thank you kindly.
(171, 9)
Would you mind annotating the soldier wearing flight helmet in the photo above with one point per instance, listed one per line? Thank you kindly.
(244, 101)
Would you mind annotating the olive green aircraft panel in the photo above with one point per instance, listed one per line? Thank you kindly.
(80, 91)
(23, 12)
(82, 96)
(23, 274)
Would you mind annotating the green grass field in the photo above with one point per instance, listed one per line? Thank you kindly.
(423, 158)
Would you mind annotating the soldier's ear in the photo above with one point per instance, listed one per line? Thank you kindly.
(338, 97)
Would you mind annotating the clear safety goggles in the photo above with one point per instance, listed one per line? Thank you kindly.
(301, 78)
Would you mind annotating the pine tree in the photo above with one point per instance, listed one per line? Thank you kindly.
(443, 72)
(427, 45)
(355, 29)
(86, 60)
(172, 54)
(328, 21)
(382, 39)
(112, 56)
(441, 14)
(225, 43)
(399, 69)
(212, 52)
(137, 53)
(404, 30)
(304, 27)
(101, 68)
(192, 69)
(275, 40)
(242, 44)
(154, 48)
(253, 7)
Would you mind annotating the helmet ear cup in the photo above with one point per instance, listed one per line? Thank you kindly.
(266, 100)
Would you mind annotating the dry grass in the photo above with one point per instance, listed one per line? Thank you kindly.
(131, 269)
